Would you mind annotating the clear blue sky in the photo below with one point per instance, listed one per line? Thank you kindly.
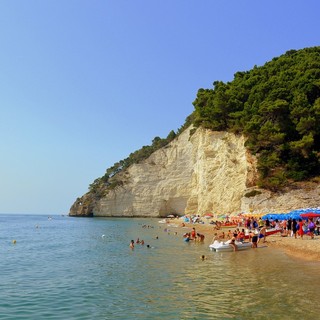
(85, 83)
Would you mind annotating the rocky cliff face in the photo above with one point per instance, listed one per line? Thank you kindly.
(208, 171)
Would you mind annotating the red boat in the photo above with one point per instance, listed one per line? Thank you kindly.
(228, 225)
(269, 232)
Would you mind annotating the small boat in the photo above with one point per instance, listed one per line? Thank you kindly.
(220, 246)
(269, 232)
(228, 225)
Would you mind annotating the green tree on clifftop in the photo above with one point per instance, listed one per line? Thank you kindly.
(277, 107)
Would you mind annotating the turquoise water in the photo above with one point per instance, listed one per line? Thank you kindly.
(64, 268)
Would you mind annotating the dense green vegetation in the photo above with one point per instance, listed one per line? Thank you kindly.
(277, 106)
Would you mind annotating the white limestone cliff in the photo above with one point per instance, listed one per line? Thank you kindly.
(205, 172)
(208, 171)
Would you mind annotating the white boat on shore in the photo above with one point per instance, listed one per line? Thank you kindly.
(221, 246)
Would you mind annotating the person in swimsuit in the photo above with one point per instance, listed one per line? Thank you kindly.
(193, 233)
(289, 226)
(294, 228)
(200, 237)
(233, 244)
(311, 227)
(254, 241)
(262, 234)
(301, 232)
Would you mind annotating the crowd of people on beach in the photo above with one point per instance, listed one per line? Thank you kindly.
(255, 230)
(289, 227)
(247, 229)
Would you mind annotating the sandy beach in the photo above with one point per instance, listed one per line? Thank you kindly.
(306, 248)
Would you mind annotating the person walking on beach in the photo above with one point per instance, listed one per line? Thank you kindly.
(261, 223)
(311, 227)
(294, 228)
(301, 232)
(289, 226)
(262, 234)
(267, 223)
(254, 241)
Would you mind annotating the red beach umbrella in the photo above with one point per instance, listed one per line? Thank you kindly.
(310, 215)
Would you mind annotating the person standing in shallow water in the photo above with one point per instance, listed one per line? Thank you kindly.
(262, 234)
(131, 245)
(254, 241)
(233, 244)
(193, 233)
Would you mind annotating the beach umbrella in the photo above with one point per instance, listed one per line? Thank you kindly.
(257, 215)
(310, 215)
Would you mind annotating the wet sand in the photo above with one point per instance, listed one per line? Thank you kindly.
(306, 248)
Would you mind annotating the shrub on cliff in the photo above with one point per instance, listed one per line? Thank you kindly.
(110, 181)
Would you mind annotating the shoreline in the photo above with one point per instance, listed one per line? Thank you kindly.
(307, 249)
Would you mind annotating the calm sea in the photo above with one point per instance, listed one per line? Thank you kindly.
(82, 268)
